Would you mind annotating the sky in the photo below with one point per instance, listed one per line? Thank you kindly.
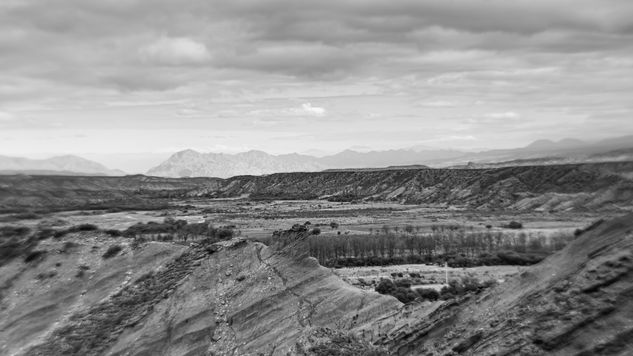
(128, 82)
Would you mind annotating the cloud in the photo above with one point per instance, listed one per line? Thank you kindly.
(175, 51)
(7, 116)
(274, 115)
(508, 115)
(420, 63)
(312, 110)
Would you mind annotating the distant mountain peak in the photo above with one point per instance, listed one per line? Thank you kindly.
(66, 164)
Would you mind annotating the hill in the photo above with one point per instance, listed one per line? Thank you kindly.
(66, 165)
(241, 297)
(554, 187)
(576, 302)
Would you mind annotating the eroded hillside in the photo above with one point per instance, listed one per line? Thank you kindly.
(234, 298)
(239, 297)
(563, 187)
(576, 302)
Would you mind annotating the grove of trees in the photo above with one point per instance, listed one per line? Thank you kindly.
(458, 247)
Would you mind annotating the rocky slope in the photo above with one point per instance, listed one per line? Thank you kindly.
(244, 298)
(564, 187)
(232, 298)
(526, 188)
(576, 302)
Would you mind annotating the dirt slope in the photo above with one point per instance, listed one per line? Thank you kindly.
(576, 302)
(244, 298)
(240, 298)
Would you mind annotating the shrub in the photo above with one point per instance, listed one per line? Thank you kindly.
(112, 251)
(224, 233)
(403, 283)
(405, 295)
(514, 225)
(34, 255)
(45, 233)
(113, 232)
(68, 245)
(385, 286)
(60, 233)
(84, 227)
(10, 231)
(46, 275)
(316, 231)
(428, 294)
(464, 286)
(81, 270)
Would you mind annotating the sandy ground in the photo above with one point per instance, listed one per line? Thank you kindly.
(427, 276)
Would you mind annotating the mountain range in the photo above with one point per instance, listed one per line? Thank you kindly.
(190, 163)
(59, 165)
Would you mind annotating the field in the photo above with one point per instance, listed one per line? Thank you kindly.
(338, 221)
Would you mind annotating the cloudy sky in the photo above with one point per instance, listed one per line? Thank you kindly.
(128, 81)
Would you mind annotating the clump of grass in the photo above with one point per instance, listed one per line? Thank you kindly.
(114, 232)
(68, 246)
(84, 227)
(514, 225)
(112, 251)
(81, 270)
(46, 275)
(34, 256)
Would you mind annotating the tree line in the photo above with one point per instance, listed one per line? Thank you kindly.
(456, 246)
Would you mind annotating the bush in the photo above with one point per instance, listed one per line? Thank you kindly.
(428, 294)
(514, 225)
(46, 275)
(11, 231)
(385, 286)
(112, 251)
(81, 270)
(403, 294)
(68, 246)
(60, 233)
(464, 286)
(316, 231)
(403, 283)
(84, 227)
(45, 233)
(114, 232)
(34, 255)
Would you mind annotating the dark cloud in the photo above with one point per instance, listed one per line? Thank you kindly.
(471, 60)
(295, 38)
